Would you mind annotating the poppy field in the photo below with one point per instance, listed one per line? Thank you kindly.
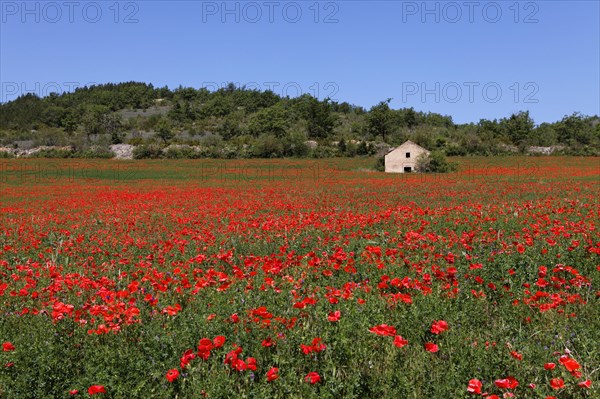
(299, 279)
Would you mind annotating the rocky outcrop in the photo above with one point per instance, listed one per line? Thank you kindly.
(311, 144)
(544, 150)
(122, 151)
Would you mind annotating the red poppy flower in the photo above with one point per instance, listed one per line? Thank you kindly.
(431, 347)
(569, 363)
(219, 341)
(474, 386)
(383, 329)
(549, 366)
(439, 327)
(172, 375)
(205, 344)
(8, 347)
(399, 341)
(234, 318)
(507, 383)
(585, 384)
(204, 347)
(272, 374)
(306, 349)
(96, 389)
(317, 345)
(334, 316)
(267, 343)
(73, 392)
(251, 364)
(187, 357)
(557, 383)
(516, 355)
(238, 364)
(312, 377)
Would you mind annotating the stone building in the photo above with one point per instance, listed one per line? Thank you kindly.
(403, 159)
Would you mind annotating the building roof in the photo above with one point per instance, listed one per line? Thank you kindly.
(405, 143)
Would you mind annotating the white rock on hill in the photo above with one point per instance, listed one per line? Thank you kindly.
(122, 151)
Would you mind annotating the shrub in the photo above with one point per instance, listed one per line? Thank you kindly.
(95, 152)
(294, 145)
(267, 146)
(435, 162)
(52, 153)
(324, 152)
(151, 151)
(380, 164)
(136, 141)
(180, 152)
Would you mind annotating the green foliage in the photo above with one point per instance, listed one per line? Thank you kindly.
(274, 121)
(218, 106)
(319, 116)
(93, 119)
(181, 152)
(53, 153)
(324, 152)
(23, 113)
(380, 119)
(95, 152)
(92, 115)
(342, 147)
(576, 129)
(231, 126)
(150, 151)
(435, 162)
(517, 127)
(164, 130)
(267, 146)
(365, 148)
(379, 164)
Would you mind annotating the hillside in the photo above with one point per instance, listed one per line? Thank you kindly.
(236, 122)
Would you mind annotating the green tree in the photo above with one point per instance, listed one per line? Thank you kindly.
(342, 147)
(544, 135)
(112, 123)
(319, 116)
(380, 119)
(517, 127)
(231, 126)
(218, 106)
(573, 129)
(274, 121)
(408, 117)
(69, 122)
(164, 130)
(92, 118)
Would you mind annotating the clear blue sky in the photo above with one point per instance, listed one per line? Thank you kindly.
(470, 60)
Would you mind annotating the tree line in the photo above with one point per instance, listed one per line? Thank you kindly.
(264, 124)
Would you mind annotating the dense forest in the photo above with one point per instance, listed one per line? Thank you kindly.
(239, 122)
